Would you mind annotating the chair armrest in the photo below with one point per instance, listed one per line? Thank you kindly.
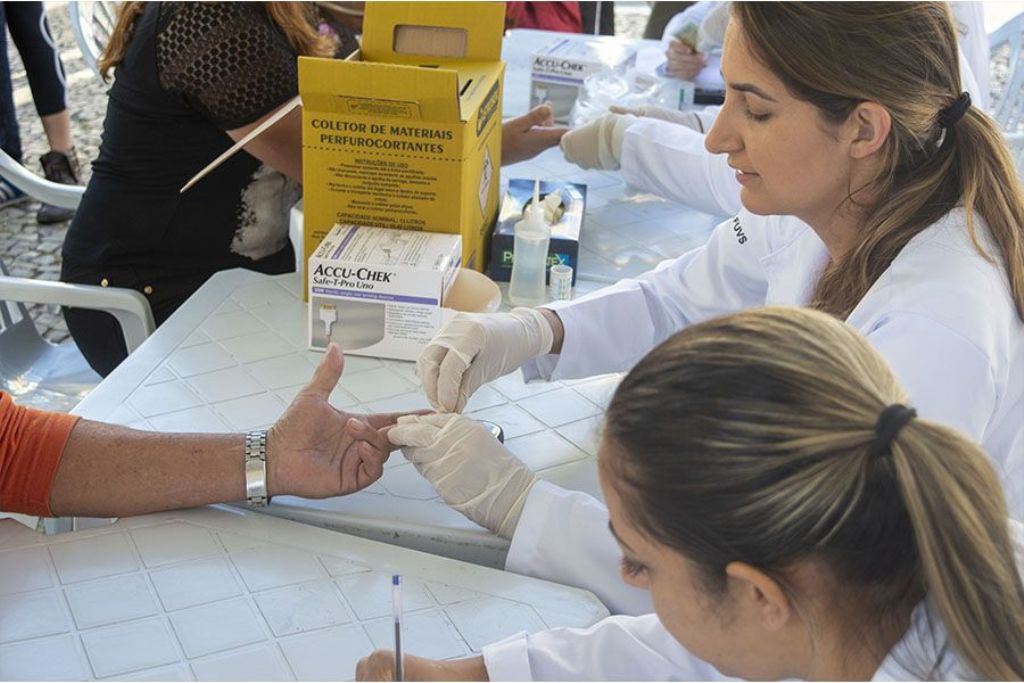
(129, 307)
(46, 191)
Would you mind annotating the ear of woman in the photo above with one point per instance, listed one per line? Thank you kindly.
(759, 595)
(871, 124)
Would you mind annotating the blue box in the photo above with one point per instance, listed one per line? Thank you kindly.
(565, 234)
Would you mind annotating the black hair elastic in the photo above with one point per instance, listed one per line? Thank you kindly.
(889, 424)
(954, 112)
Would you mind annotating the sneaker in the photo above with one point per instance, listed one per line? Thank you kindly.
(59, 168)
(10, 195)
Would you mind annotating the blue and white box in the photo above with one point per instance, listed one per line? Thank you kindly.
(380, 291)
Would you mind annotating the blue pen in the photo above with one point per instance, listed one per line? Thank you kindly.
(396, 611)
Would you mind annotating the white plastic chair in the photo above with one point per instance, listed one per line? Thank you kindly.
(92, 23)
(1008, 102)
(55, 194)
(56, 376)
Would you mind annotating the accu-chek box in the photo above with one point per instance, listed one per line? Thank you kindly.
(378, 291)
(557, 72)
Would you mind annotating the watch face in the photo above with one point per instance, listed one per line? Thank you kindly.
(494, 429)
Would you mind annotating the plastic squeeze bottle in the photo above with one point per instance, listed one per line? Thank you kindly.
(530, 255)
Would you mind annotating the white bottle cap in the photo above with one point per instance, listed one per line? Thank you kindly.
(561, 282)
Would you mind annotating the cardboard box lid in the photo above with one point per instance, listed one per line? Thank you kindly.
(419, 33)
(371, 89)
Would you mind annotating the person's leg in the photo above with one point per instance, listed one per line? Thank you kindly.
(41, 57)
(58, 130)
(10, 140)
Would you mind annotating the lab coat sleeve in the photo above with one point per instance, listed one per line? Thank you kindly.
(671, 161)
(614, 649)
(948, 378)
(563, 536)
(611, 329)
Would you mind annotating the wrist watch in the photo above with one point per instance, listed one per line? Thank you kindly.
(256, 469)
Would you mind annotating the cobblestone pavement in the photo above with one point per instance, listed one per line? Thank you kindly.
(32, 250)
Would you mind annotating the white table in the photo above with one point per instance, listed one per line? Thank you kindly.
(234, 355)
(222, 594)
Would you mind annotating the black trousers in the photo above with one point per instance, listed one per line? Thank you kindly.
(98, 334)
(31, 33)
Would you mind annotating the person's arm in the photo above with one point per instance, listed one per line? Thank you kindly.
(234, 67)
(280, 146)
(563, 536)
(380, 666)
(614, 649)
(526, 136)
(313, 450)
(672, 162)
(610, 329)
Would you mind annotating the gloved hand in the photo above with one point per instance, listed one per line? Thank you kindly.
(650, 111)
(474, 348)
(598, 144)
(470, 469)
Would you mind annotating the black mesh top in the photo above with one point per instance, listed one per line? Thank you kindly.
(191, 71)
(226, 59)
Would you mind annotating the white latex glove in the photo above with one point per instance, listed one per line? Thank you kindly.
(470, 469)
(474, 348)
(598, 144)
(650, 111)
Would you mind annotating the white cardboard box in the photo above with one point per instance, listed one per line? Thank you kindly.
(378, 291)
(557, 72)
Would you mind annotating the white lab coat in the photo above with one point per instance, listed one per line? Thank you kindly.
(623, 648)
(940, 314)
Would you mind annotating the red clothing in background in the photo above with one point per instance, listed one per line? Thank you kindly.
(550, 16)
(31, 444)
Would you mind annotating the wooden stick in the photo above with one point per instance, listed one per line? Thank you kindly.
(252, 135)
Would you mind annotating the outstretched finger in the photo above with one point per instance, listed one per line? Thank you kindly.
(327, 374)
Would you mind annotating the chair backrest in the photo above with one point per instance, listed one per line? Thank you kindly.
(1008, 78)
(93, 23)
(56, 194)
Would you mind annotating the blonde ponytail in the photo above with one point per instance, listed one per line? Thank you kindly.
(752, 438)
(964, 546)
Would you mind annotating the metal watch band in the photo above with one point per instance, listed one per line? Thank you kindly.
(256, 469)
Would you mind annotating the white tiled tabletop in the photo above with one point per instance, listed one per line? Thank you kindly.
(200, 372)
(222, 594)
(234, 355)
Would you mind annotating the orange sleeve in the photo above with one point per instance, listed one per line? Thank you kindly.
(31, 444)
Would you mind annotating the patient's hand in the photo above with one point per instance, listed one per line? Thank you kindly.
(380, 666)
(315, 450)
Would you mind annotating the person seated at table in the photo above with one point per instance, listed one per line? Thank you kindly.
(872, 190)
(690, 35)
(54, 464)
(789, 514)
(663, 151)
(189, 79)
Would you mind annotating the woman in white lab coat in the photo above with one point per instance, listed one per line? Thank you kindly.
(662, 151)
(873, 191)
(791, 517)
